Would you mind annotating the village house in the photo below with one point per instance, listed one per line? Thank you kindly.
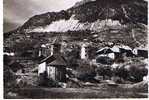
(115, 52)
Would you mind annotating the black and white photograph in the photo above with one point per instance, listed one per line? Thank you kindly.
(75, 49)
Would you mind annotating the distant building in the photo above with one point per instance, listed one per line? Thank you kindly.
(108, 52)
(141, 52)
(115, 52)
(83, 54)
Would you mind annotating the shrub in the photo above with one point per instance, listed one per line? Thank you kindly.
(104, 70)
(104, 60)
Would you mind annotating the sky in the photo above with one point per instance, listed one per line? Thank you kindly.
(17, 12)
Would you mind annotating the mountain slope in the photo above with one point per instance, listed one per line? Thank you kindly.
(123, 21)
(124, 11)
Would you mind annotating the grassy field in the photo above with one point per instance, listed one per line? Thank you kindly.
(102, 91)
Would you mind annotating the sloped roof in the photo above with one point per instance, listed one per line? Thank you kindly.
(115, 49)
(47, 59)
(104, 50)
(59, 61)
(55, 60)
